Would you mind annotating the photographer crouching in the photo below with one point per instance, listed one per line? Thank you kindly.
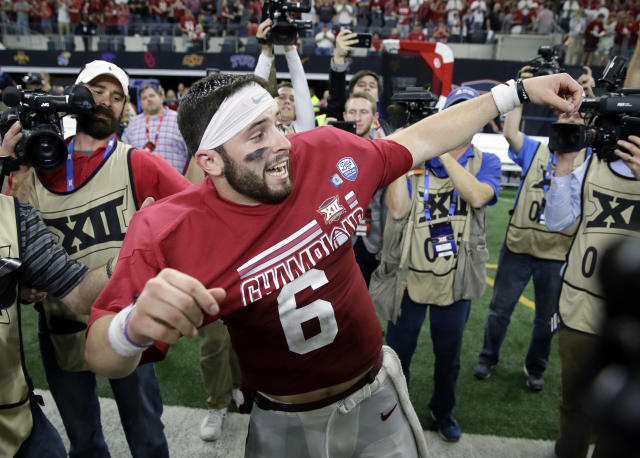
(603, 194)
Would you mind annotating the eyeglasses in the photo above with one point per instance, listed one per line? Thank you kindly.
(8, 281)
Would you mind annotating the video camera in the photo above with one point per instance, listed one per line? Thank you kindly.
(610, 117)
(284, 30)
(410, 106)
(548, 62)
(42, 144)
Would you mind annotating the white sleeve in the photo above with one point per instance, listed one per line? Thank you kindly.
(263, 67)
(305, 116)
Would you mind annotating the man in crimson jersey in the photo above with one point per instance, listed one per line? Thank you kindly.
(264, 243)
(87, 205)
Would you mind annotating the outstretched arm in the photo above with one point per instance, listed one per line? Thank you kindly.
(425, 139)
(305, 116)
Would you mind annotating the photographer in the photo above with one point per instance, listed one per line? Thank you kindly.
(530, 249)
(87, 204)
(361, 109)
(43, 265)
(599, 194)
(294, 100)
(364, 80)
(448, 202)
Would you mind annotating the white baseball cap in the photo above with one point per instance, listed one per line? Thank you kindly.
(101, 67)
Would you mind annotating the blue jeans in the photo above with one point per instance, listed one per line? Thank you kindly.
(514, 271)
(446, 325)
(137, 396)
(44, 440)
(324, 51)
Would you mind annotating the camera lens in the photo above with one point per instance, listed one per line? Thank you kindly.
(46, 151)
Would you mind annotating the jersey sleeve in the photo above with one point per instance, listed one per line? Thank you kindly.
(154, 177)
(490, 173)
(138, 262)
(379, 162)
(524, 157)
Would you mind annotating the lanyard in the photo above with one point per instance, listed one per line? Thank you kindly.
(427, 212)
(146, 127)
(547, 174)
(108, 150)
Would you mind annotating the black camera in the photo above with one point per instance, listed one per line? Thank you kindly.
(284, 30)
(410, 106)
(42, 144)
(548, 62)
(610, 117)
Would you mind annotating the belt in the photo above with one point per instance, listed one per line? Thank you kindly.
(267, 404)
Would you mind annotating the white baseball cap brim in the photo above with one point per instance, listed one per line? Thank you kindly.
(101, 67)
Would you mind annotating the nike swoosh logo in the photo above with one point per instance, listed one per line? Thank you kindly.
(257, 100)
(384, 417)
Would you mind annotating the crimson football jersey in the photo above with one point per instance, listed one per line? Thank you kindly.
(297, 308)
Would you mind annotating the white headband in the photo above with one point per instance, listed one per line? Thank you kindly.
(235, 113)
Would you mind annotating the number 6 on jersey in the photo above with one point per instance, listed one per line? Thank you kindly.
(292, 317)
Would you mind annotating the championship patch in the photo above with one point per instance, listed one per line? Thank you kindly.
(331, 210)
(336, 180)
(348, 168)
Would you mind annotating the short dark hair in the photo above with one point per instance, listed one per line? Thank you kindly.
(285, 84)
(155, 88)
(355, 78)
(203, 100)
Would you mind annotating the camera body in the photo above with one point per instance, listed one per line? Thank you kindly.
(42, 144)
(284, 30)
(548, 61)
(609, 117)
(410, 106)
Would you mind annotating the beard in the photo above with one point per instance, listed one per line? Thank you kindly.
(91, 124)
(246, 182)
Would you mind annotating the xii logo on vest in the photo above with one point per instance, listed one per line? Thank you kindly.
(81, 228)
(612, 210)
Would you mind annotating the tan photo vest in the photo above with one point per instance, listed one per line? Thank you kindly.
(90, 223)
(432, 279)
(525, 235)
(610, 212)
(16, 420)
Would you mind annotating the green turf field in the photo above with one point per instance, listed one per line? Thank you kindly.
(500, 405)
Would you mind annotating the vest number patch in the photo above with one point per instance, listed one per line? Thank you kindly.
(589, 261)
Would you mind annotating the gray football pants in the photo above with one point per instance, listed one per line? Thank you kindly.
(378, 420)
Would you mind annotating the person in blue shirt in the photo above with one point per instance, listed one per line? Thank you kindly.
(446, 199)
(530, 250)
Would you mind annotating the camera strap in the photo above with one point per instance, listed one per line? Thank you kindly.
(427, 212)
(545, 188)
(442, 237)
(108, 150)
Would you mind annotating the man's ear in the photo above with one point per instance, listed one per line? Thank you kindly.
(375, 116)
(210, 162)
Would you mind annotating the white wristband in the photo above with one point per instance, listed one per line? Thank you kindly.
(118, 337)
(505, 96)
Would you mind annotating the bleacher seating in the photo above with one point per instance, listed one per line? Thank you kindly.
(229, 45)
(154, 44)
